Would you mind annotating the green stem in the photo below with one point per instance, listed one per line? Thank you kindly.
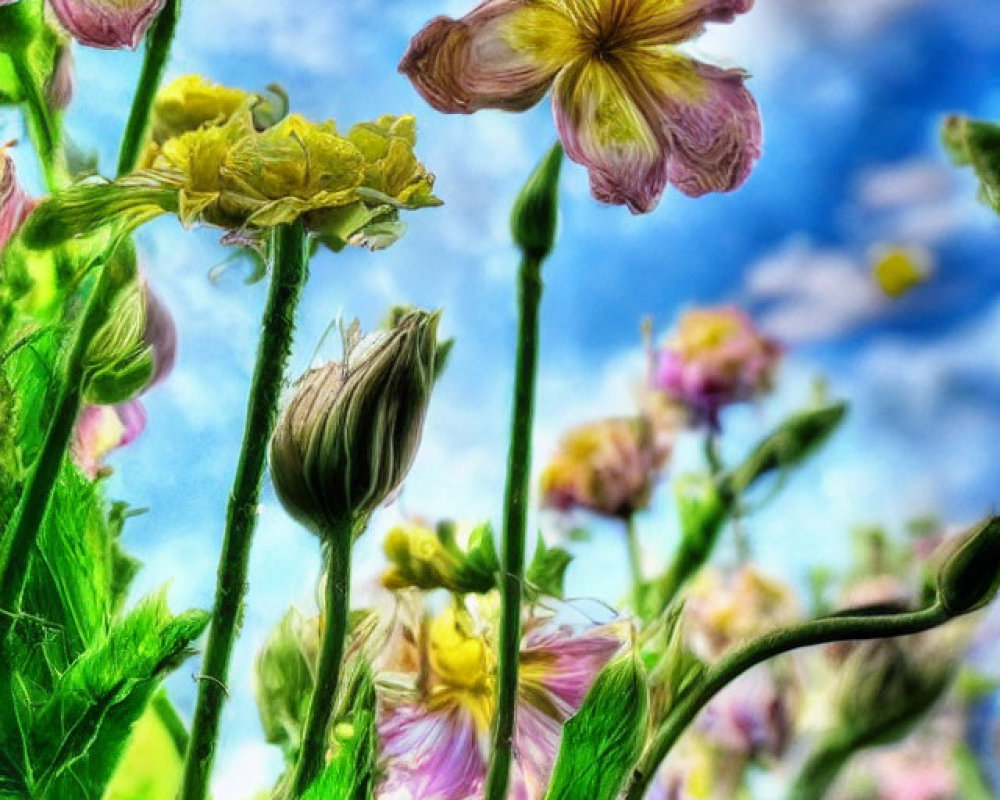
(158, 42)
(821, 769)
(315, 738)
(289, 268)
(514, 524)
(170, 720)
(635, 564)
(43, 128)
(730, 667)
(22, 533)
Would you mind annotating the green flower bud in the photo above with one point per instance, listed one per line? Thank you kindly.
(535, 215)
(120, 362)
(969, 576)
(791, 444)
(350, 433)
(283, 679)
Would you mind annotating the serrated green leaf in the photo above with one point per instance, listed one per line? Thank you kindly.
(79, 734)
(602, 742)
(547, 572)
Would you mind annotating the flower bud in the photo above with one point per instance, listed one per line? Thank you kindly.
(535, 216)
(107, 24)
(15, 206)
(426, 559)
(969, 576)
(134, 350)
(348, 437)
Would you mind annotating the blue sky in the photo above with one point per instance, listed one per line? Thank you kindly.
(851, 93)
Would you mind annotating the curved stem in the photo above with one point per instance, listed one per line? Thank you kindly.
(514, 524)
(821, 769)
(44, 130)
(315, 740)
(289, 267)
(812, 632)
(22, 532)
(158, 42)
(635, 563)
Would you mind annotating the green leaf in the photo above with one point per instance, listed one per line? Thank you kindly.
(976, 144)
(151, 766)
(350, 773)
(79, 734)
(602, 742)
(546, 573)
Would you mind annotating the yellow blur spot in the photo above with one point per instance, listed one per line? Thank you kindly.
(898, 270)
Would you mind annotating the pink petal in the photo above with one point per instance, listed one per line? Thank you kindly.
(602, 127)
(430, 755)
(464, 65)
(536, 745)
(161, 334)
(655, 22)
(564, 664)
(715, 141)
(101, 429)
(15, 205)
(107, 24)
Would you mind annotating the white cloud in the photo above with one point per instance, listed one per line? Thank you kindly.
(810, 294)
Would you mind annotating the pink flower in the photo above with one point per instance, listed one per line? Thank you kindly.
(627, 103)
(15, 205)
(101, 429)
(62, 82)
(107, 24)
(608, 467)
(435, 740)
(716, 358)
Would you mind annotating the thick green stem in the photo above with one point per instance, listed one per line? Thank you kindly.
(289, 268)
(44, 130)
(514, 524)
(635, 564)
(22, 533)
(812, 632)
(158, 42)
(821, 769)
(315, 735)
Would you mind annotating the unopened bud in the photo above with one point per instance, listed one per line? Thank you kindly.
(107, 24)
(62, 81)
(134, 350)
(535, 215)
(969, 576)
(351, 431)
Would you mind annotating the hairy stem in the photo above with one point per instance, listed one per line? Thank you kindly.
(514, 524)
(812, 632)
(315, 738)
(22, 532)
(289, 267)
(158, 41)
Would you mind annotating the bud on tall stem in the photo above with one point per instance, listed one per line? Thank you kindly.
(341, 449)
(533, 224)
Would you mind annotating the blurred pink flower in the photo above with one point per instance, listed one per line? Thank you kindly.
(630, 106)
(101, 429)
(608, 467)
(15, 205)
(911, 774)
(107, 24)
(715, 358)
(435, 740)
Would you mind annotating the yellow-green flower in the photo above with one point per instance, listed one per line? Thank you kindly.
(346, 189)
(628, 105)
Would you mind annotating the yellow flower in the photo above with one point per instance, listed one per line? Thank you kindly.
(898, 270)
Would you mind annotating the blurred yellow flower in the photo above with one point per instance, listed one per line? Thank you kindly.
(898, 270)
